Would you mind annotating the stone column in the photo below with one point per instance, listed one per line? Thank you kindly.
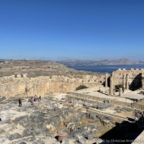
(106, 83)
(111, 86)
(124, 82)
(127, 84)
(120, 92)
(142, 80)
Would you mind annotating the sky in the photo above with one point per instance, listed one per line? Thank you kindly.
(72, 29)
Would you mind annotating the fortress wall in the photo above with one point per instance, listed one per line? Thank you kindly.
(19, 85)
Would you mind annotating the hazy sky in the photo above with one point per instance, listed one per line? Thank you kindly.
(80, 29)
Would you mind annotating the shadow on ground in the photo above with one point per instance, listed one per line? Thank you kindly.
(125, 132)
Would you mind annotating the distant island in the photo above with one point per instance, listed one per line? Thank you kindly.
(76, 62)
(123, 61)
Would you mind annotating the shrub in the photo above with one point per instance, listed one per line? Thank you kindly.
(81, 87)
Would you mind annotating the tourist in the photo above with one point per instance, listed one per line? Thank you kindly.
(20, 102)
(35, 98)
(136, 116)
(39, 98)
(32, 100)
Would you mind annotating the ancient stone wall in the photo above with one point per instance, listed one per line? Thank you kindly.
(128, 78)
(21, 85)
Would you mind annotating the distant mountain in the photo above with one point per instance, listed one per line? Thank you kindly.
(2, 60)
(123, 61)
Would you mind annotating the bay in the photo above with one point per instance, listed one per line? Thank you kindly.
(106, 68)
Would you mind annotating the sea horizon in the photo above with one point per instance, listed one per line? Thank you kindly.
(106, 68)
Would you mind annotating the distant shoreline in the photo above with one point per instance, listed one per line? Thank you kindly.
(106, 68)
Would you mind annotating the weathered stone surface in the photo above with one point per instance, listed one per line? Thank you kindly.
(2, 131)
(22, 143)
(2, 98)
(43, 120)
(14, 136)
(82, 140)
(65, 141)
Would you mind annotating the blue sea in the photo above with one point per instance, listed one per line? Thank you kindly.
(105, 68)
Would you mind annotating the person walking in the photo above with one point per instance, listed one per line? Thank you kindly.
(32, 100)
(20, 102)
(35, 98)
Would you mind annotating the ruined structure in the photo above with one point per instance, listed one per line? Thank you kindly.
(18, 85)
(27, 78)
(84, 116)
(120, 97)
(129, 79)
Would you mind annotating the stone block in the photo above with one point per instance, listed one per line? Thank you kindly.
(14, 136)
(103, 105)
(24, 75)
(18, 76)
(82, 140)
(22, 143)
(65, 141)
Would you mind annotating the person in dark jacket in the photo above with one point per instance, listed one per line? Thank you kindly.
(20, 102)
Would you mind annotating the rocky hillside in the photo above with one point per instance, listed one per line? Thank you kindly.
(35, 68)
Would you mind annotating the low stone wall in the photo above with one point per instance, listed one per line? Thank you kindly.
(78, 95)
(120, 103)
(95, 100)
(21, 85)
(139, 105)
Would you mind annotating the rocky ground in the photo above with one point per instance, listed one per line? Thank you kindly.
(36, 68)
(41, 122)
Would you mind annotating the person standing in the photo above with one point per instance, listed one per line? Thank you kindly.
(32, 100)
(20, 102)
(35, 98)
(39, 98)
(136, 116)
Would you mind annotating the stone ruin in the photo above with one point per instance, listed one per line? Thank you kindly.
(45, 120)
(126, 79)
(77, 118)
